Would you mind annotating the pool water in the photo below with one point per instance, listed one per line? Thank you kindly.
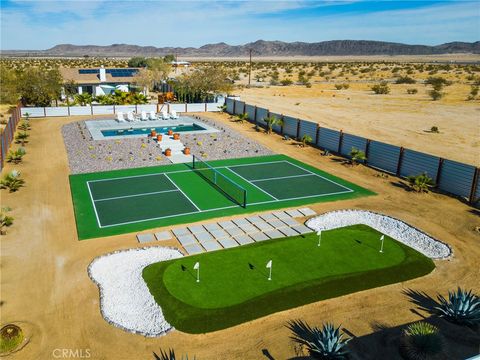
(146, 131)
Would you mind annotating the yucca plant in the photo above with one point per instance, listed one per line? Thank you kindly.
(21, 138)
(462, 307)
(170, 355)
(326, 343)
(356, 156)
(421, 341)
(15, 156)
(5, 220)
(24, 126)
(420, 183)
(12, 181)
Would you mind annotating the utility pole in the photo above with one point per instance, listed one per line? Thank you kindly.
(250, 68)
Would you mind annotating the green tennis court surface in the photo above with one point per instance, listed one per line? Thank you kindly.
(116, 202)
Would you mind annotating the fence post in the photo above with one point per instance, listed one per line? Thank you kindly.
(298, 128)
(400, 160)
(340, 142)
(439, 171)
(234, 106)
(91, 109)
(473, 189)
(68, 109)
(244, 108)
(317, 134)
(255, 115)
(367, 150)
(158, 107)
(136, 109)
(114, 109)
(186, 107)
(44, 111)
(281, 126)
(168, 108)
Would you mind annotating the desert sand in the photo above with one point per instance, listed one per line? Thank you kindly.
(44, 281)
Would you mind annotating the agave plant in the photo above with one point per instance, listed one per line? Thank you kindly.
(170, 355)
(420, 183)
(21, 138)
(15, 156)
(5, 220)
(12, 181)
(356, 156)
(24, 126)
(462, 307)
(421, 341)
(326, 343)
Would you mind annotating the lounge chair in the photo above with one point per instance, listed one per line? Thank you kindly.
(173, 114)
(143, 116)
(165, 115)
(153, 116)
(130, 116)
(120, 117)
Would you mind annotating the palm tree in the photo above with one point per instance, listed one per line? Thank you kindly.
(83, 99)
(242, 117)
(12, 181)
(326, 343)
(420, 183)
(137, 98)
(5, 220)
(16, 156)
(271, 122)
(306, 139)
(356, 156)
(21, 138)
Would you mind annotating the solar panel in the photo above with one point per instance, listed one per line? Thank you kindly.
(88, 71)
(113, 72)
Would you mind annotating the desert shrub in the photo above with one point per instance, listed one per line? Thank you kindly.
(5, 220)
(420, 183)
(421, 341)
(462, 307)
(15, 156)
(338, 86)
(326, 343)
(381, 88)
(412, 91)
(437, 82)
(405, 80)
(345, 86)
(357, 156)
(306, 139)
(12, 181)
(434, 129)
(435, 94)
(473, 92)
(286, 82)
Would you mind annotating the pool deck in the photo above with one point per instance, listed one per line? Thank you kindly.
(95, 127)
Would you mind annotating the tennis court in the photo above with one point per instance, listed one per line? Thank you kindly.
(168, 195)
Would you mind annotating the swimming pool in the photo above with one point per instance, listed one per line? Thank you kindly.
(147, 130)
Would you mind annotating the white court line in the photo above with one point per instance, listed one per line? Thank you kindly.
(182, 192)
(134, 195)
(93, 203)
(281, 177)
(240, 176)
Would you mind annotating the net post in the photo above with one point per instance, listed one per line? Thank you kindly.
(245, 198)
(193, 164)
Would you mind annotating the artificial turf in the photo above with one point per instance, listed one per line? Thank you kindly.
(147, 208)
(234, 285)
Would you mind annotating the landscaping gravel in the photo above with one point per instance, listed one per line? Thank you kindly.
(125, 300)
(88, 155)
(392, 227)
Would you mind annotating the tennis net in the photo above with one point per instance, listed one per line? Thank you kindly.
(229, 187)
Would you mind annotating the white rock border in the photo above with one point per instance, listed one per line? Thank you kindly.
(388, 225)
(125, 300)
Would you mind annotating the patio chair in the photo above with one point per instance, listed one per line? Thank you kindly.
(130, 116)
(165, 115)
(143, 116)
(153, 116)
(120, 117)
(173, 114)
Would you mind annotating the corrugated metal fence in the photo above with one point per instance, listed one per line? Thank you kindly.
(450, 176)
(8, 133)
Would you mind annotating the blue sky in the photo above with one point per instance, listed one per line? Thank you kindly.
(41, 24)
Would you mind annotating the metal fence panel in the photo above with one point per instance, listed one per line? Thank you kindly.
(477, 192)
(56, 111)
(456, 178)
(33, 111)
(383, 156)
(229, 102)
(261, 115)
(308, 128)
(239, 107)
(250, 111)
(103, 110)
(328, 139)
(415, 163)
(352, 141)
(290, 126)
(80, 110)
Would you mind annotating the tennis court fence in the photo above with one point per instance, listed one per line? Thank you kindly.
(226, 185)
(453, 177)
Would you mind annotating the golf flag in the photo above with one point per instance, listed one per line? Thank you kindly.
(319, 234)
(269, 264)
(196, 266)
(382, 237)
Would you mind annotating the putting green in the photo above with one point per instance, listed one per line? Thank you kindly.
(234, 285)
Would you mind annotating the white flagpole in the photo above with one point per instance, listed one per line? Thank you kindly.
(269, 265)
(197, 267)
(381, 247)
(319, 233)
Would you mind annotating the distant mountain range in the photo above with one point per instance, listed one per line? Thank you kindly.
(260, 48)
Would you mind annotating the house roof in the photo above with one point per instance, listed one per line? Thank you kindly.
(88, 76)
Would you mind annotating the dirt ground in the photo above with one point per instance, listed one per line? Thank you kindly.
(44, 281)
(397, 118)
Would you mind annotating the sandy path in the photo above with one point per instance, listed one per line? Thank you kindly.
(45, 283)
